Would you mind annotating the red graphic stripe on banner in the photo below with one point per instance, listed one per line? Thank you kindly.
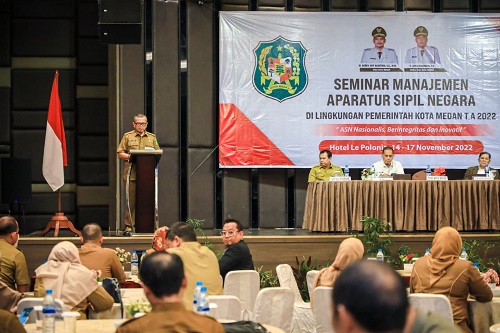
(430, 147)
(242, 143)
(403, 130)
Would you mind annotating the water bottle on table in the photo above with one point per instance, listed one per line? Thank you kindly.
(380, 255)
(196, 295)
(134, 264)
(48, 313)
(428, 170)
(487, 171)
(427, 252)
(203, 305)
(346, 171)
(464, 255)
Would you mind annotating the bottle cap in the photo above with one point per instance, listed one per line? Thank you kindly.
(203, 289)
(199, 283)
(48, 291)
(134, 251)
(379, 250)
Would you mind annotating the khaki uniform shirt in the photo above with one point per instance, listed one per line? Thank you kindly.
(319, 173)
(171, 317)
(200, 264)
(99, 298)
(13, 269)
(459, 280)
(9, 323)
(133, 140)
(93, 256)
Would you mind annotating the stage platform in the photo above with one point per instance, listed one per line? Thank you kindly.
(269, 247)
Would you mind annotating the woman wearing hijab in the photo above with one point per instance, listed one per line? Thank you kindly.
(350, 250)
(70, 281)
(443, 273)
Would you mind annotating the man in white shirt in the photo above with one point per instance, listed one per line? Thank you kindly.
(387, 166)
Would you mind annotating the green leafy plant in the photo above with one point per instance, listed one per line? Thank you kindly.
(267, 278)
(300, 274)
(477, 250)
(373, 228)
(198, 228)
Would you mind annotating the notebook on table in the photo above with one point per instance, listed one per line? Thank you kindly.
(401, 177)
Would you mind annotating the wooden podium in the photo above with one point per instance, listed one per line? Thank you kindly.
(146, 189)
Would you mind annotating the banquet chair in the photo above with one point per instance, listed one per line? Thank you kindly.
(228, 307)
(495, 328)
(274, 306)
(245, 285)
(303, 320)
(322, 305)
(432, 303)
(310, 276)
(30, 302)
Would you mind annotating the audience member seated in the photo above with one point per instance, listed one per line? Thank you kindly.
(370, 296)
(350, 250)
(159, 240)
(442, 272)
(484, 159)
(70, 281)
(200, 263)
(13, 268)
(165, 284)
(9, 323)
(8, 297)
(93, 256)
(387, 166)
(236, 256)
(325, 169)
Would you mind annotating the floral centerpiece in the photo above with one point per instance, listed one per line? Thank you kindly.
(408, 261)
(122, 255)
(139, 306)
(439, 171)
(366, 173)
(491, 278)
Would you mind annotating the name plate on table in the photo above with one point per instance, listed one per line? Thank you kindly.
(340, 179)
(437, 178)
(481, 178)
(382, 178)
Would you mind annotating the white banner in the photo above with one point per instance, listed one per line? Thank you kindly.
(292, 84)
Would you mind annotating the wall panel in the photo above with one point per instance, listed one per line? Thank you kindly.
(272, 198)
(5, 116)
(200, 77)
(168, 187)
(200, 175)
(92, 117)
(236, 195)
(301, 176)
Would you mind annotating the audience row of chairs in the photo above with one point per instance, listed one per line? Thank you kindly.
(282, 306)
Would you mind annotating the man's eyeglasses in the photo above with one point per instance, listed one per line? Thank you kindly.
(140, 124)
(227, 233)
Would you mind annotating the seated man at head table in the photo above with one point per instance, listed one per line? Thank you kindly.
(325, 169)
(370, 296)
(96, 258)
(164, 283)
(484, 160)
(387, 166)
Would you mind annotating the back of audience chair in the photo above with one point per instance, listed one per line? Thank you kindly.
(228, 307)
(322, 309)
(274, 306)
(311, 275)
(30, 302)
(286, 278)
(245, 285)
(432, 303)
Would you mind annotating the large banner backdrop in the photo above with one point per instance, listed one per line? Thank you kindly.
(292, 84)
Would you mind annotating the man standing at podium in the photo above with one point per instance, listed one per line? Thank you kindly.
(139, 138)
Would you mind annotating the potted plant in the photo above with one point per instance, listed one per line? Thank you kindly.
(491, 278)
(366, 174)
(408, 260)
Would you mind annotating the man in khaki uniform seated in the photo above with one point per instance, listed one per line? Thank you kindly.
(165, 284)
(13, 268)
(325, 169)
(93, 256)
(200, 263)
